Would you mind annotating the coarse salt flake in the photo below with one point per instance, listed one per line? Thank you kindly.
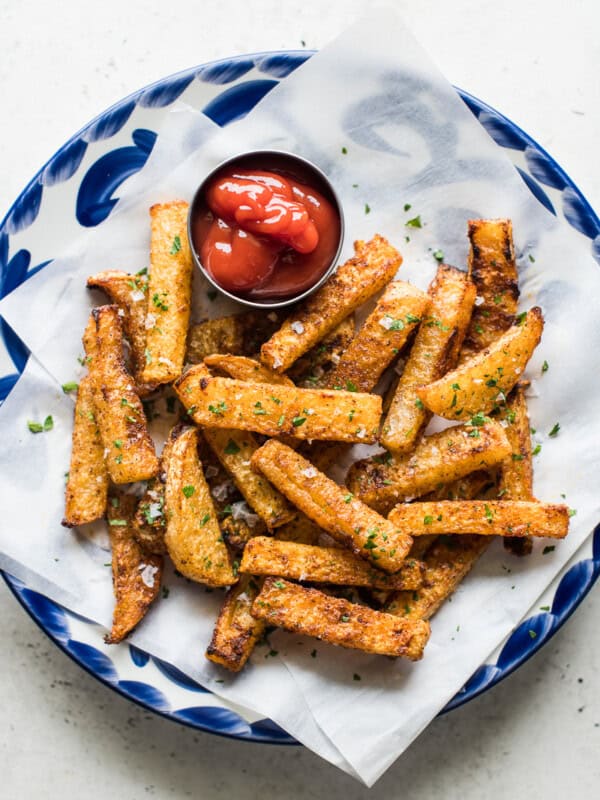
(137, 295)
(297, 327)
(241, 510)
(479, 300)
(386, 322)
(148, 571)
(309, 472)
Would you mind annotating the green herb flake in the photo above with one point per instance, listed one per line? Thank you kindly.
(158, 302)
(419, 403)
(117, 523)
(532, 634)
(344, 618)
(488, 513)
(572, 512)
(281, 420)
(344, 151)
(367, 208)
(520, 318)
(438, 255)
(415, 222)
(176, 246)
(531, 258)
(555, 430)
(148, 356)
(188, 491)
(119, 459)
(517, 457)
(72, 386)
(475, 434)
(279, 584)
(231, 449)
(35, 427)
(219, 409)
(544, 608)
(545, 366)
(348, 498)
(297, 421)
(204, 519)
(550, 548)
(536, 450)
(427, 519)
(351, 387)
(407, 206)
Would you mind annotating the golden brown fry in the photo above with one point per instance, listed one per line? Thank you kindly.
(373, 266)
(380, 339)
(485, 517)
(129, 451)
(304, 562)
(311, 370)
(382, 481)
(434, 352)
(303, 413)
(87, 484)
(332, 507)
(136, 575)
(236, 630)
(130, 294)
(193, 538)
(243, 368)
(493, 270)
(234, 449)
(482, 383)
(239, 335)
(169, 293)
(446, 563)
(516, 472)
(300, 529)
(312, 613)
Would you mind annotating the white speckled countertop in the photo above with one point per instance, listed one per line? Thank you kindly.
(63, 734)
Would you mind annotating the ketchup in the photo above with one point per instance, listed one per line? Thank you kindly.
(265, 234)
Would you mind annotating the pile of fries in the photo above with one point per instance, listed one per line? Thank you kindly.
(239, 496)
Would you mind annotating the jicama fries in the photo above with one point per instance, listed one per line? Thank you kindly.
(129, 450)
(382, 481)
(136, 575)
(239, 335)
(312, 613)
(373, 266)
(334, 509)
(87, 484)
(169, 293)
(383, 335)
(482, 383)
(484, 517)
(236, 630)
(246, 369)
(335, 565)
(435, 350)
(274, 410)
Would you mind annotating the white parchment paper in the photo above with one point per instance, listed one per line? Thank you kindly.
(375, 114)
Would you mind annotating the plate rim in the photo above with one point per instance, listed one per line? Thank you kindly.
(464, 695)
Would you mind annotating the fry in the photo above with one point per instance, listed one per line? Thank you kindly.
(129, 451)
(382, 481)
(193, 538)
(516, 472)
(435, 350)
(311, 370)
(169, 293)
(304, 562)
(300, 529)
(236, 630)
(130, 294)
(493, 270)
(234, 449)
(136, 575)
(485, 517)
(373, 266)
(87, 484)
(482, 383)
(312, 613)
(303, 413)
(382, 336)
(344, 517)
(447, 562)
(240, 335)
(243, 368)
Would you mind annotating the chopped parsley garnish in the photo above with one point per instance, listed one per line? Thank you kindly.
(72, 386)
(344, 151)
(531, 258)
(281, 420)
(188, 491)
(572, 512)
(158, 302)
(204, 520)
(410, 318)
(176, 246)
(474, 434)
(415, 222)
(517, 457)
(119, 459)
(520, 318)
(419, 403)
(41, 427)
(148, 356)
(488, 513)
(396, 325)
(438, 255)
(479, 419)
(548, 549)
(344, 618)
(536, 450)
(532, 634)
(259, 410)
(427, 519)
(348, 498)
(407, 206)
(231, 449)
(545, 366)
(351, 387)
(544, 608)
(118, 523)
(297, 421)
(279, 584)
(118, 443)
(554, 430)
(456, 387)
(219, 409)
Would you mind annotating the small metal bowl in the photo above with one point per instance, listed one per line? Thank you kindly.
(285, 163)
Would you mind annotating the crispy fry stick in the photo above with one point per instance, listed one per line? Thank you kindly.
(136, 575)
(312, 613)
(311, 370)
(383, 335)
(130, 294)
(485, 517)
(348, 520)
(382, 481)
(435, 350)
(303, 413)
(516, 472)
(236, 630)
(239, 335)
(193, 538)
(243, 368)
(493, 270)
(304, 562)
(169, 293)
(87, 485)
(447, 562)
(482, 382)
(300, 529)
(373, 266)
(129, 451)
(234, 449)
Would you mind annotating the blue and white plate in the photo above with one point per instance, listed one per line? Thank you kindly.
(80, 185)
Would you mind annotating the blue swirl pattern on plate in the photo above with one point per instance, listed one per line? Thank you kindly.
(244, 77)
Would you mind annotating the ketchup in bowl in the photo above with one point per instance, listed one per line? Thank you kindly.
(266, 227)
